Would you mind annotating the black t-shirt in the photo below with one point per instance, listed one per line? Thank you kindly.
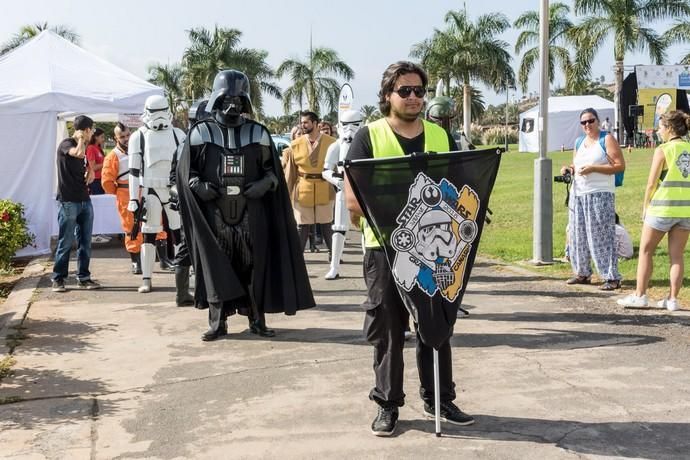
(361, 148)
(71, 183)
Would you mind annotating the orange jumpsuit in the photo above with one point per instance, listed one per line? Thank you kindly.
(115, 181)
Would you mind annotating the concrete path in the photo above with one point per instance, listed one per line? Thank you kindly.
(548, 371)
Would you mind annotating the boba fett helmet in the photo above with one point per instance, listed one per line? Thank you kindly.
(440, 108)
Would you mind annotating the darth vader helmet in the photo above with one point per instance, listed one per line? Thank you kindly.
(230, 97)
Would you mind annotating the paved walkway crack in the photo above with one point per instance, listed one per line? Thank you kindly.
(94, 426)
(151, 387)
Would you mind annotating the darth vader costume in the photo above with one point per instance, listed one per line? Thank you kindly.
(237, 215)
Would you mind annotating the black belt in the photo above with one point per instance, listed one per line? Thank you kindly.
(122, 185)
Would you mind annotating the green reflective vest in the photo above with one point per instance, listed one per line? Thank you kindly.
(384, 144)
(672, 197)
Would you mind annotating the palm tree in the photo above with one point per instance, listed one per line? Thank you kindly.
(679, 33)
(477, 104)
(313, 80)
(370, 113)
(210, 52)
(168, 77)
(629, 22)
(467, 52)
(559, 27)
(29, 31)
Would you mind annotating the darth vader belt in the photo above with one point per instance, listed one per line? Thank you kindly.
(233, 190)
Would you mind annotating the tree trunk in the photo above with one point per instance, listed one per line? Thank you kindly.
(618, 123)
(467, 110)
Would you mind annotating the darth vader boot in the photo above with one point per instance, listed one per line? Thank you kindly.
(183, 297)
(218, 325)
(258, 326)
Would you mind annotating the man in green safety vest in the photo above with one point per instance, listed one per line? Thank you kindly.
(401, 132)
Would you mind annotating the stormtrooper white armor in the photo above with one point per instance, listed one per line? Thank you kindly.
(151, 149)
(349, 123)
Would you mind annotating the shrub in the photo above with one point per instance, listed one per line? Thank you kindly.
(496, 136)
(14, 233)
(476, 134)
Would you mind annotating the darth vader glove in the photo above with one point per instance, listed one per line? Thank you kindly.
(258, 188)
(206, 191)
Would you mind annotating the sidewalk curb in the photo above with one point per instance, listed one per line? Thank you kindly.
(15, 308)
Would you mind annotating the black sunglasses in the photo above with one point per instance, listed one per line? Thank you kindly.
(405, 91)
(588, 122)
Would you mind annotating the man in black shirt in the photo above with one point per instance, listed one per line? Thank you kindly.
(76, 212)
(401, 132)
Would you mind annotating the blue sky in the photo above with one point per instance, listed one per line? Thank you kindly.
(368, 35)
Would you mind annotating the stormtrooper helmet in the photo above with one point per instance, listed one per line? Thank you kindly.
(157, 115)
(435, 237)
(349, 123)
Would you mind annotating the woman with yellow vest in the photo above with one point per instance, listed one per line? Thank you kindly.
(666, 210)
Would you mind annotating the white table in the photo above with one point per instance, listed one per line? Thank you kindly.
(106, 220)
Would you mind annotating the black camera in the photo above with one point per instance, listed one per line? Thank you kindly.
(566, 178)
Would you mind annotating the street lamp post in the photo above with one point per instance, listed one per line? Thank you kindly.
(506, 127)
(542, 242)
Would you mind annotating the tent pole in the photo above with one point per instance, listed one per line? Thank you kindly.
(437, 395)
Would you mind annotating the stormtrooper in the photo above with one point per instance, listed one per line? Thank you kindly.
(151, 149)
(349, 123)
(238, 220)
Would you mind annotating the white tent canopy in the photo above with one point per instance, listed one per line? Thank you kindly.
(39, 80)
(562, 122)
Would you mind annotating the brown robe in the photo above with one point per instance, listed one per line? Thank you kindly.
(312, 197)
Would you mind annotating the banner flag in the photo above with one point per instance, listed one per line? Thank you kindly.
(427, 212)
(345, 99)
(656, 102)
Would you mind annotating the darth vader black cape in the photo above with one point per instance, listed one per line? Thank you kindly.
(281, 283)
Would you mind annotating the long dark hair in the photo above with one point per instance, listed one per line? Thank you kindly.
(96, 132)
(391, 75)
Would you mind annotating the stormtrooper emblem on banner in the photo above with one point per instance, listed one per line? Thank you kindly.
(436, 231)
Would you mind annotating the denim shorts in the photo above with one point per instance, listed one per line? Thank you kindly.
(664, 224)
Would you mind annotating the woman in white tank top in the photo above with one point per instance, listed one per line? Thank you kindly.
(592, 205)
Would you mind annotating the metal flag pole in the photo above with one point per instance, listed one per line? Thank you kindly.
(437, 386)
(437, 395)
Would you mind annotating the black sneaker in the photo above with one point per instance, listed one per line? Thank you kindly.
(59, 286)
(88, 284)
(384, 423)
(449, 413)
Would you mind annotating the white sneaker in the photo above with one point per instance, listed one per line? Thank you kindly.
(669, 304)
(631, 300)
(99, 239)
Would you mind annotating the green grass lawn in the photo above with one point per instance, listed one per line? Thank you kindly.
(509, 236)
